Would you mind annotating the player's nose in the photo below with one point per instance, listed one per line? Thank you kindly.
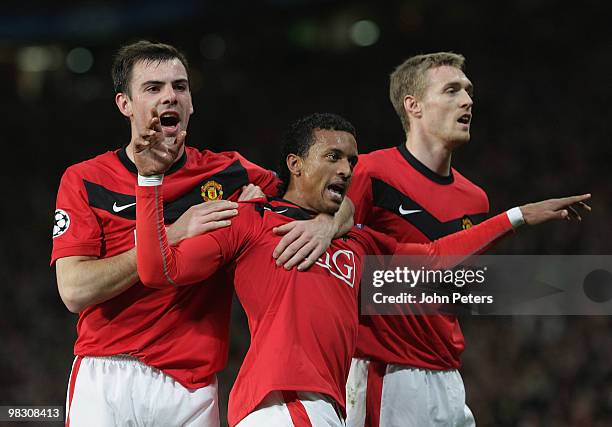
(168, 95)
(345, 168)
(466, 100)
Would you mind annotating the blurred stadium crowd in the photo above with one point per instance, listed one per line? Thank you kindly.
(541, 128)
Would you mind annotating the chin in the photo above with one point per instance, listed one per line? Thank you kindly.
(460, 140)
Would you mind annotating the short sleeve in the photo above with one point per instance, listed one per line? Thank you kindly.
(76, 230)
(360, 192)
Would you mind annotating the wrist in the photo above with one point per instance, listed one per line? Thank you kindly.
(172, 239)
(515, 215)
(327, 219)
(327, 225)
(150, 180)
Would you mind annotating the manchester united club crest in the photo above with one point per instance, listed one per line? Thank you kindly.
(466, 223)
(212, 190)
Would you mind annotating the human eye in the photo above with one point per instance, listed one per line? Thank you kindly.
(333, 156)
(181, 87)
(152, 88)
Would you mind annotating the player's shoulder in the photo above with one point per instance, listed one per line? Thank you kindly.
(378, 157)
(275, 211)
(208, 155)
(275, 205)
(220, 158)
(254, 217)
(253, 210)
(378, 163)
(94, 167)
(251, 205)
(468, 185)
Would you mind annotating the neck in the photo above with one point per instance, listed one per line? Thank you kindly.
(295, 196)
(129, 150)
(433, 154)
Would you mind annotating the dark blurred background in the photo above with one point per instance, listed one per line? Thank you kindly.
(542, 125)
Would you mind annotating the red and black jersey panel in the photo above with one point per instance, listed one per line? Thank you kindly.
(406, 209)
(396, 194)
(95, 216)
(230, 179)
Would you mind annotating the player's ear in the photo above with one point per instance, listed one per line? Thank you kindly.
(294, 164)
(412, 106)
(124, 104)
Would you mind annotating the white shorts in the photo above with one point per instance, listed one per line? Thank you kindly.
(381, 395)
(290, 408)
(122, 391)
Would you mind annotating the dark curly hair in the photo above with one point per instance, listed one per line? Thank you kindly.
(142, 50)
(299, 137)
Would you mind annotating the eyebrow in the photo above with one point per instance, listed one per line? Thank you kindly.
(350, 158)
(159, 82)
(457, 84)
(337, 151)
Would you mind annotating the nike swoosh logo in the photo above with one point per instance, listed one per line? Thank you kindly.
(120, 208)
(275, 211)
(407, 211)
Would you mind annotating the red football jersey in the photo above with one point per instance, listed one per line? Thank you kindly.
(303, 325)
(183, 332)
(396, 194)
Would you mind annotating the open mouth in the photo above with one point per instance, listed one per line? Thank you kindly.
(336, 191)
(465, 119)
(169, 122)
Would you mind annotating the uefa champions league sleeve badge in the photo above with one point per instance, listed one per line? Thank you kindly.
(61, 223)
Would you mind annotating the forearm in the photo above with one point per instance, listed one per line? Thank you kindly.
(454, 248)
(343, 219)
(159, 264)
(85, 281)
(305, 241)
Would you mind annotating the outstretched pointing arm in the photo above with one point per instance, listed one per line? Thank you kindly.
(468, 242)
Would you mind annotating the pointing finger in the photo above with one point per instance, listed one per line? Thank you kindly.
(154, 123)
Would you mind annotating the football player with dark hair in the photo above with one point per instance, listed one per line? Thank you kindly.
(303, 325)
(134, 342)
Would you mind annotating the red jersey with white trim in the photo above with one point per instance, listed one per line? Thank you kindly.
(183, 332)
(303, 324)
(396, 194)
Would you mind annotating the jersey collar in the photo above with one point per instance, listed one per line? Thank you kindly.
(424, 170)
(289, 209)
(129, 165)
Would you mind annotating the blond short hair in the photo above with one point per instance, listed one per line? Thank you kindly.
(409, 78)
